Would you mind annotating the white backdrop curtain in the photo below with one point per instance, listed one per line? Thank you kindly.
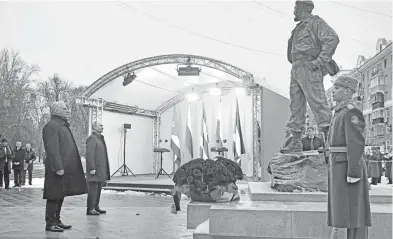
(228, 104)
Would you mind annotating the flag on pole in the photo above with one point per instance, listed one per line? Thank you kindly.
(218, 128)
(238, 143)
(188, 133)
(260, 145)
(175, 139)
(204, 142)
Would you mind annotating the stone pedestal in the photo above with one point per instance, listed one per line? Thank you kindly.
(291, 173)
(278, 215)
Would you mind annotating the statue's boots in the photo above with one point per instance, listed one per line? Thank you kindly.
(295, 145)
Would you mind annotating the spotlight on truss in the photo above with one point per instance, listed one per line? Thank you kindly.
(188, 70)
(130, 77)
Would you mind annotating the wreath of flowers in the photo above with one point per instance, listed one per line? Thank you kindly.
(203, 176)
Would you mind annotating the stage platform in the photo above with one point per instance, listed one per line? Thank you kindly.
(146, 183)
(141, 183)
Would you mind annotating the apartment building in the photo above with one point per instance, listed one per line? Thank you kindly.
(375, 93)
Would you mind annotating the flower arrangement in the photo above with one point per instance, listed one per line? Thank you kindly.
(207, 180)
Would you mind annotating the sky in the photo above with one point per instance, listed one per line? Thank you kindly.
(83, 40)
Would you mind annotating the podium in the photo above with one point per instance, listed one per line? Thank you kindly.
(220, 151)
(161, 150)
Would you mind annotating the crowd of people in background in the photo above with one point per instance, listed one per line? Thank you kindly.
(20, 160)
(379, 164)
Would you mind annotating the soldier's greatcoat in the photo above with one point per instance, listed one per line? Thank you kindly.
(348, 203)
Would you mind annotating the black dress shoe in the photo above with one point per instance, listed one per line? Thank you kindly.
(53, 228)
(100, 211)
(92, 213)
(62, 225)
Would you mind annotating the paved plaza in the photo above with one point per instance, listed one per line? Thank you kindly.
(129, 215)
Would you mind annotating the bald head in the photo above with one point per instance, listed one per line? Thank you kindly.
(59, 108)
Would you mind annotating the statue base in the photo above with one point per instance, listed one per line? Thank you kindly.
(305, 171)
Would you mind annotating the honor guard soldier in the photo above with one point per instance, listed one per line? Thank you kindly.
(348, 195)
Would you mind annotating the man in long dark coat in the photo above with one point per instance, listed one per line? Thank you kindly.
(388, 161)
(373, 167)
(63, 167)
(17, 163)
(97, 168)
(29, 160)
(348, 195)
(6, 156)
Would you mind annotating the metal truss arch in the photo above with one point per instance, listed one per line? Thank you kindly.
(247, 77)
(247, 82)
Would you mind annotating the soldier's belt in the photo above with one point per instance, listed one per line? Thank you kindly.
(338, 149)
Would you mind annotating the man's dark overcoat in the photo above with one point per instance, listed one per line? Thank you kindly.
(97, 158)
(19, 158)
(373, 167)
(30, 155)
(62, 153)
(2, 158)
(348, 203)
(388, 171)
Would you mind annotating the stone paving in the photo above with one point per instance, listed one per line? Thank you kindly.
(129, 215)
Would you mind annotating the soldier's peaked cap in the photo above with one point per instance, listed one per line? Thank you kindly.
(347, 82)
(307, 3)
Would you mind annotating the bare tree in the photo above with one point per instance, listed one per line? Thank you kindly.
(55, 89)
(15, 80)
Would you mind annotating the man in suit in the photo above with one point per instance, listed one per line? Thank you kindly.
(97, 168)
(29, 160)
(63, 167)
(348, 194)
(311, 142)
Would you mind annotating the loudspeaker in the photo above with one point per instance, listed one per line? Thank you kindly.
(127, 126)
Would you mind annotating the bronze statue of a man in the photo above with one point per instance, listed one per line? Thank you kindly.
(310, 50)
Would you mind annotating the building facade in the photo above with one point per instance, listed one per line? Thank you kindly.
(375, 93)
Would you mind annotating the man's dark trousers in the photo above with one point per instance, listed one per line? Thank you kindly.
(94, 194)
(6, 174)
(18, 177)
(30, 170)
(53, 209)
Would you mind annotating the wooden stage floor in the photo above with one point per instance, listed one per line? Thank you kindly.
(146, 183)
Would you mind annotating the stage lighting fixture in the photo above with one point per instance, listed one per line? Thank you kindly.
(240, 91)
(215, 91)
(130, 77)
(192, 96)
(188, 70)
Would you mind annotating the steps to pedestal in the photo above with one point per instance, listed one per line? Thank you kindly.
(278, 220)
(261, 191)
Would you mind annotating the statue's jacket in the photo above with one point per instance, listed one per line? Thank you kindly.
(314, 38)
(348, 204)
